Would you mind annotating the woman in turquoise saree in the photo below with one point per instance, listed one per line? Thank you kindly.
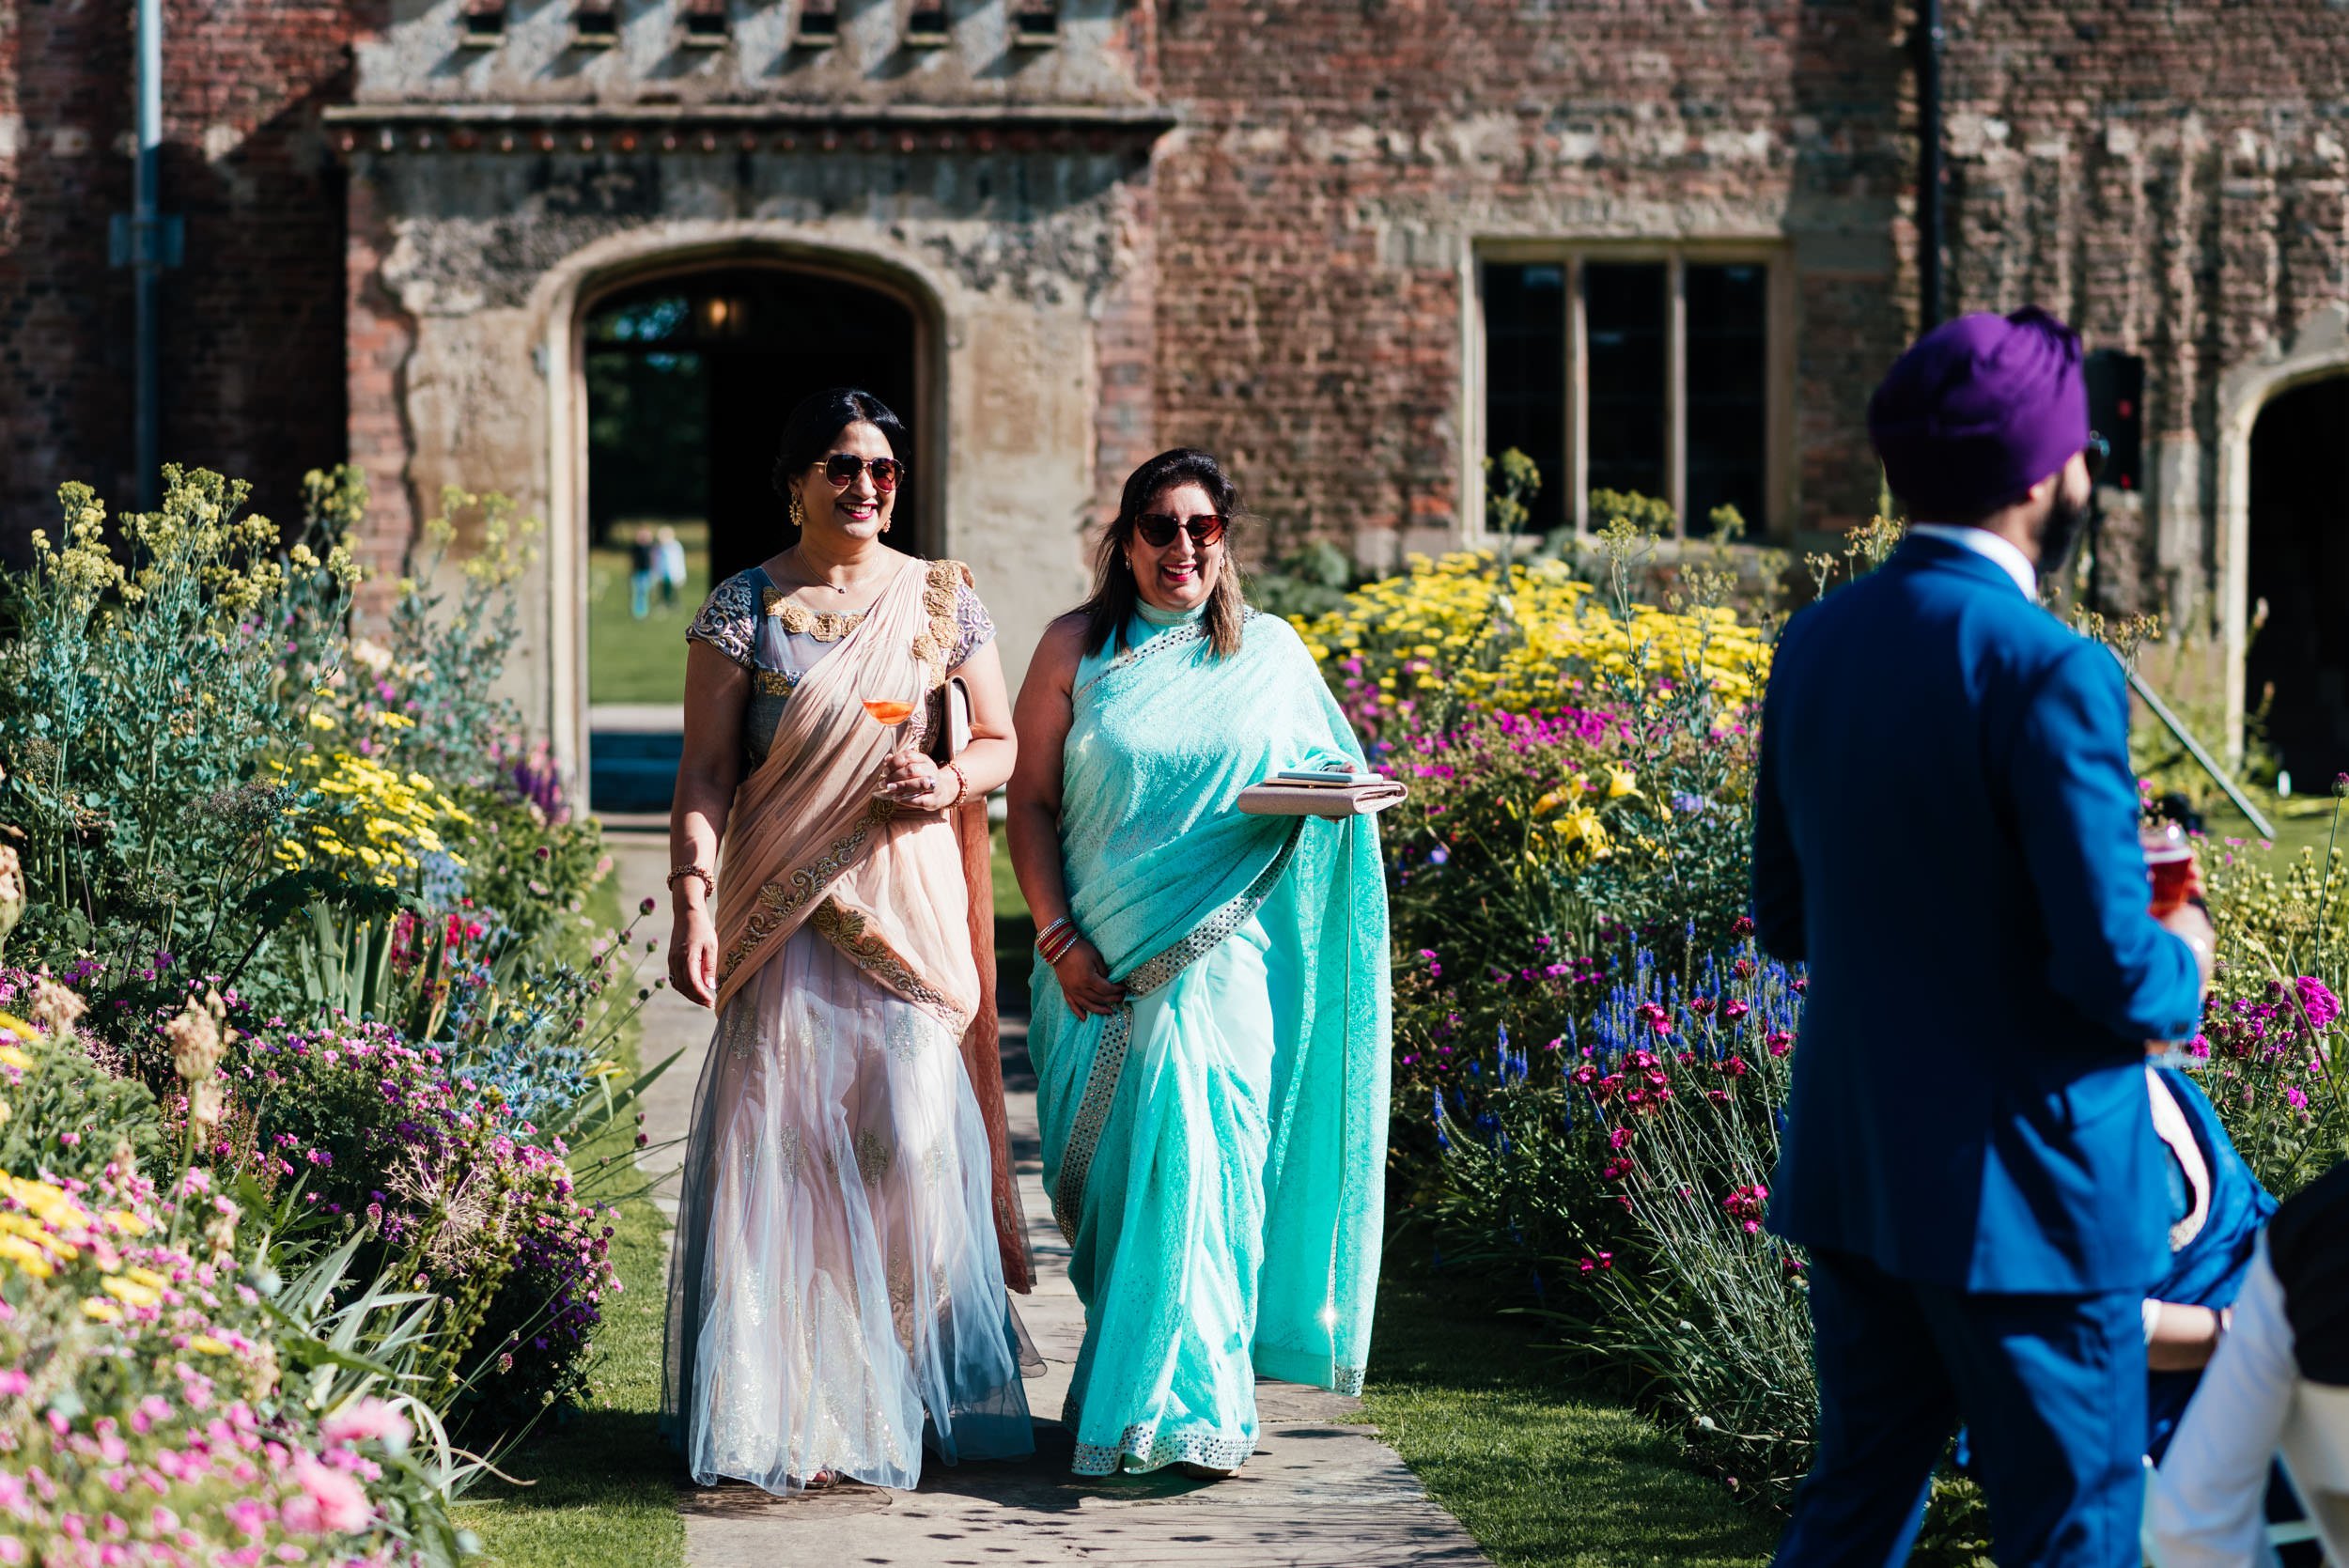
(1211, 994)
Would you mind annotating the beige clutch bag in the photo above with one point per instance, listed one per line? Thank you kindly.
(1342, 796)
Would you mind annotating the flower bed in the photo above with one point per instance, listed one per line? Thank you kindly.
(302, 1023)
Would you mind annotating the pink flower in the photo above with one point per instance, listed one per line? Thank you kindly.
(331, 1503)
(369, 1420)
(14, 1382)
(2317, 1001)
(1743, 1205)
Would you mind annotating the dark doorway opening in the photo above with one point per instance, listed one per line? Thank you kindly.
(2299, 563)
(688, 377)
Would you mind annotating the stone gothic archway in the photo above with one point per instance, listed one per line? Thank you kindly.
(769, 321)
(2317, 352)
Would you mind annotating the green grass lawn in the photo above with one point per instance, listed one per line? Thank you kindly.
(631, 661)
(1544, 1472)
(601, 1484)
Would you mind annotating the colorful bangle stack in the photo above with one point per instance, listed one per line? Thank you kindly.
(1056, 940)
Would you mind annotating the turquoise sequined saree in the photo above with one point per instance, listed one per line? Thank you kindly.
(1214, 1149)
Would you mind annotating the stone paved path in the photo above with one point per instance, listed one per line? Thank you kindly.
(1321, 1492)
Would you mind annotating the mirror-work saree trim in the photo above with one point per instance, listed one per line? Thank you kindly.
(1214, 1147)
(1109, 1060)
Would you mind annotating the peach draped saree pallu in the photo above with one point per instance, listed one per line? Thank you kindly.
(846, 1220)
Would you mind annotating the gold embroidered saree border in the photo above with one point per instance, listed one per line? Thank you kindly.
(780, 899)
(853, 934)
(1108, 1058)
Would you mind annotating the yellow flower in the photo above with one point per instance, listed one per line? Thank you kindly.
(27, 1256)
(104, 1311)
(321, 722)
(14, 1057)
(131, 1292)
(1620, 782)
(127, 1222)
(210, 1347)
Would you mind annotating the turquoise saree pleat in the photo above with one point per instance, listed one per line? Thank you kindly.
(1214, 1150)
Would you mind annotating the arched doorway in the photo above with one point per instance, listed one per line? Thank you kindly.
(687, 377)
(2298, 564)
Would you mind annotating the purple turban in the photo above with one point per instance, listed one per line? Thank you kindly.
(1977, 411)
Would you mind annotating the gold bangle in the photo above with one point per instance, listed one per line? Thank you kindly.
(709, 883)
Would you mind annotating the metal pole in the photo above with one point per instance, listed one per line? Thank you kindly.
(1929, 165)
(147, 259)
(2194, 750)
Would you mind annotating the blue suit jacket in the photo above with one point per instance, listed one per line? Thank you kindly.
(1944, 831)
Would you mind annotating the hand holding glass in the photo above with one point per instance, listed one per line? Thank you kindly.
(890, 711)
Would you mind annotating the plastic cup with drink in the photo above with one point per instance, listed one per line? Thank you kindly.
(2170, 872)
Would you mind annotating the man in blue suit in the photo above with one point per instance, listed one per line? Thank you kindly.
(1946, 833)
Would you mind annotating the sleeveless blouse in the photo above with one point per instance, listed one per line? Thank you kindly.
(748, 618)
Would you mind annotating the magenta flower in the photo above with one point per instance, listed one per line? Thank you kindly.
(2317, 1001)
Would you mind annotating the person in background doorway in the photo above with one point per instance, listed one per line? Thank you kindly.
(641, 555)
(669, 564)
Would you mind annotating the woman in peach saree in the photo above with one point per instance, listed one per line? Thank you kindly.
(846, 1224)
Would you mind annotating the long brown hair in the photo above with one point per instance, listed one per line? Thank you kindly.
(1114, 592)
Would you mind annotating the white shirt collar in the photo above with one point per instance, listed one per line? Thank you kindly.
(1990, 547)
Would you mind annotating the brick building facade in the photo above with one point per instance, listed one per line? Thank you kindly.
(1348, 244)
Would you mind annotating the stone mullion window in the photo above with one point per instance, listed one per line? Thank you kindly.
(1654, 369)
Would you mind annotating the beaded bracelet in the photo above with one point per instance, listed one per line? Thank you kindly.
(709, 883)
(962, 785)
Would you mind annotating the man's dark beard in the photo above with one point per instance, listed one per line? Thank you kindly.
(2060, 538)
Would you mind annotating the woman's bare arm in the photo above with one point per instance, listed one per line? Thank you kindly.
(717, 691)
(1033, 813)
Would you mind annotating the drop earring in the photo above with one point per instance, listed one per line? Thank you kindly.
(798, 512)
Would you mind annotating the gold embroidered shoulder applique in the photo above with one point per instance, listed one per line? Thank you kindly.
(825, 626)
(936, 641)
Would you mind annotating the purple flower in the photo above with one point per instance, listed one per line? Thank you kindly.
(2318, 1002)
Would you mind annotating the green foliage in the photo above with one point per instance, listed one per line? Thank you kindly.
(59, 1092)
(1311, 581)
(447, 645)
(140, 704)
(1511, 480)
(1644, 514)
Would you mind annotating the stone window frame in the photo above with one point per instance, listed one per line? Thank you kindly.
(1773, 253)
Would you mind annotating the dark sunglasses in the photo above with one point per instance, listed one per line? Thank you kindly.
(2096, 455)
(842, 468)
(1158, 528)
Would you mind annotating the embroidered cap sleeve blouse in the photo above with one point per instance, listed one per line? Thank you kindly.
(752, 621)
